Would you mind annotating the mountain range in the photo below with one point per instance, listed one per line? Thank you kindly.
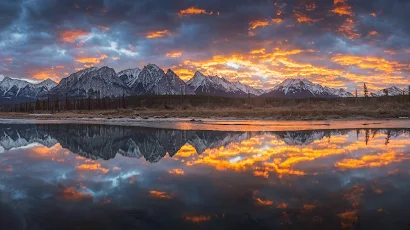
(391, 91)
(16, 89)
(151, 80)
(303, 88)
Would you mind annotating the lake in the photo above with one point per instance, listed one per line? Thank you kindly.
(100, 176)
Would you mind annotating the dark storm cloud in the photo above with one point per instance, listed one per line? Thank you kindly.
(38, 35)
(9, 11)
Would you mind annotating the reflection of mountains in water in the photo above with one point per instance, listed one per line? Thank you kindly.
(103, 141)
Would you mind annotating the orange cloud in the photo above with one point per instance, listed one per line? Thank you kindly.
(348, 28)
(372, 33)
(174, 54)
(103, 27)
(369, 63)
(303, 18)
(176, 171)
(160, 195)
(158, 34)
(71, 194)
(92, 167)
(255, 24)
(197, 219)
(72, 35)
(368, 161)
(277, 64)
(349, 218)
(185, 74)
(192, 11)
(342, 8)
(259, 201)
(373, 14)
(91, 60)
(262, 23)
(43, 76)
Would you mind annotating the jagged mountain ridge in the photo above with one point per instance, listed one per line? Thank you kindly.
(129, 76)
(391, 91)
(91, 83)
(214, 85)
(17, 89)
(303, 88)
(152, 80)
(171, 84)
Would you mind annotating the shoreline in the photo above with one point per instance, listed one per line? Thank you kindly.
(264, 114)
(215, 124)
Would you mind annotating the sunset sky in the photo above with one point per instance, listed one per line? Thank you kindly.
(340, 43)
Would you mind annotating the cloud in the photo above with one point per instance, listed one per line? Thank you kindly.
(157, 34)
(238, 39)
(72, 35)
(193, 10)
(91, 60)
(174, 54)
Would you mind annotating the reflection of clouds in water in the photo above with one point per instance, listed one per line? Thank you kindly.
(306, 174)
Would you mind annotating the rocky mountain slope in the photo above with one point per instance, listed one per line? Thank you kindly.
(16, 90)
(91, 83)
(391, 91)
(303, 88)
(217, 86)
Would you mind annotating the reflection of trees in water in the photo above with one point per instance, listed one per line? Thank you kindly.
(104, 142)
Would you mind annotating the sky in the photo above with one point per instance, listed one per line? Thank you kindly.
(340, 43)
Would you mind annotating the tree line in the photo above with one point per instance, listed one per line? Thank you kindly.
(169, 102)
(67, 104)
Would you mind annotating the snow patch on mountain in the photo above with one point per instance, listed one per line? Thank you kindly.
(303, 88)
(92, 83)
(17, 88)
(338, 92)
(202, 84)
(171, 84)
(391, 91)
(147, 79)
(129, 76)
(9, 84)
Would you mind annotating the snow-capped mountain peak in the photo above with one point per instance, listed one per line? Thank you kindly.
(8, 83)
(48, 84)
(248, 89)
(92, 83)
(220, 86)
(196, 80)
(149, 76)
(391, 91)
(171, 84)
(303, 88)
(129, 76)
(338, 92)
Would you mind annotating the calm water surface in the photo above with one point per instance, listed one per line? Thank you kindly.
(82, 176)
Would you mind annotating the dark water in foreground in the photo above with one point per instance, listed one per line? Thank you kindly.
(112, 177)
